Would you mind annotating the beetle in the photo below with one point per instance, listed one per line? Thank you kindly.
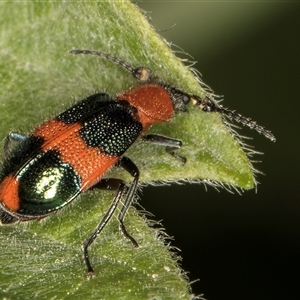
(47, 169)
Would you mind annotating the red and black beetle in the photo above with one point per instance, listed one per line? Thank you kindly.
(72, 152)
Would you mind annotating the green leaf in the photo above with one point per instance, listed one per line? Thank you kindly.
(38, 79)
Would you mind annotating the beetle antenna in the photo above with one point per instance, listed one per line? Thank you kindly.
(231, 114)
(208, 105)
(140, 73)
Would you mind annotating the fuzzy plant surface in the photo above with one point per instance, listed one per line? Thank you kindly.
(39, 79)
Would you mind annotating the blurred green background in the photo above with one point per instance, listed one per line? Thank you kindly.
(240, 247)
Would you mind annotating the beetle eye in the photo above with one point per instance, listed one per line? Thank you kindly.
(186, 99)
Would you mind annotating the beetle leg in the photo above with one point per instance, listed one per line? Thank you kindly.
(170, 144)
(13, 136)
(112, 183)
(108, 183)
(131, 168)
